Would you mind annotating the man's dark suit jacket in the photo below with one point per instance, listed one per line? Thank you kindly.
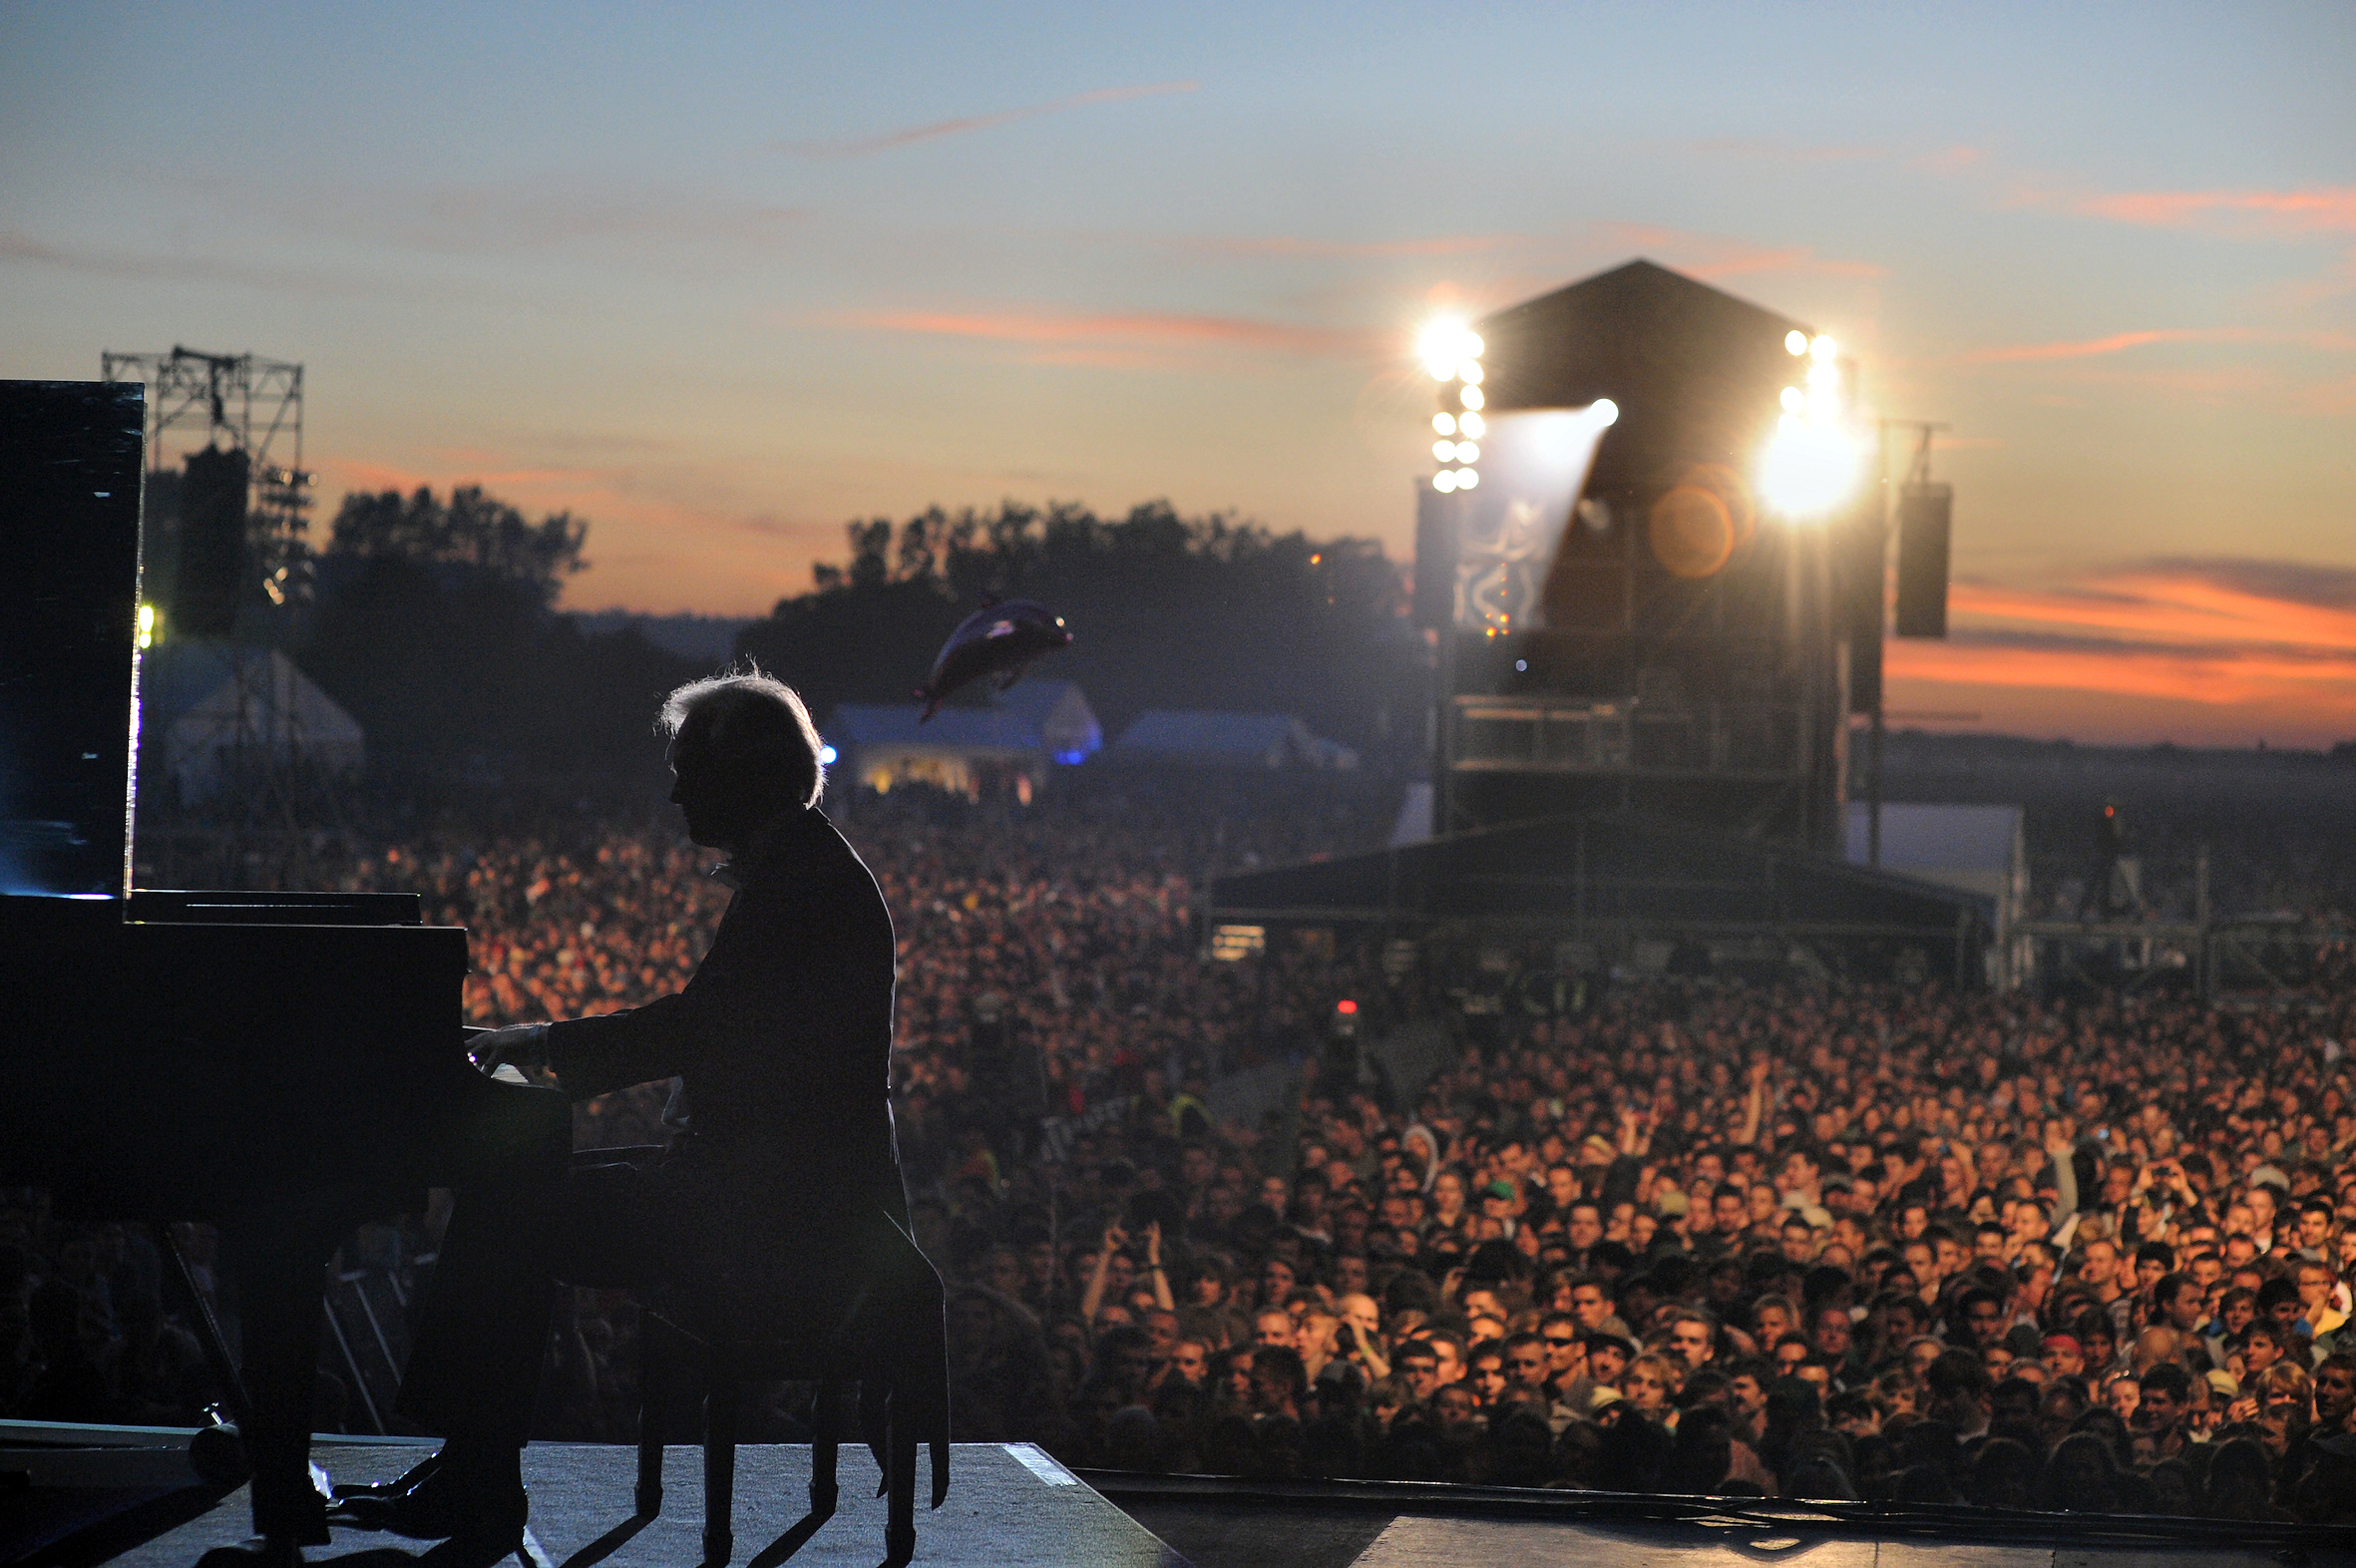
(783, 1038)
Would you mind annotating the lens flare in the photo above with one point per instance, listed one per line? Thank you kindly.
(1809, 469)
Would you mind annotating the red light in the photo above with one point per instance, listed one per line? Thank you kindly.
(1345, 1006)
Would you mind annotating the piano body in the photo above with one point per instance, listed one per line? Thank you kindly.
(282, 1065)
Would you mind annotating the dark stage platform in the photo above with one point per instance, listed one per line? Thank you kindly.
(1010, 1503)
(1007, 1505)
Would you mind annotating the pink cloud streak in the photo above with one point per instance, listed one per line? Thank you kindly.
(1110, 333)
(909, 136)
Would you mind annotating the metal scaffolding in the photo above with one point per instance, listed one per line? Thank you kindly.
(256, 404)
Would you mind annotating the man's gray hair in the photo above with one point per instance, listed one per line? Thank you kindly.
(753, 726)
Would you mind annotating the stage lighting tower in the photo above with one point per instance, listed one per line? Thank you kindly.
(1451, 351)
(1815, 457)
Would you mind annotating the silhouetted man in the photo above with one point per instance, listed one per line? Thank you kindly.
(782, 1149)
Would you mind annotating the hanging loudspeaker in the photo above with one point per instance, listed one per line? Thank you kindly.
(1925, 512)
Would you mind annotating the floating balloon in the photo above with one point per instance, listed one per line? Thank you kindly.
(996, 641)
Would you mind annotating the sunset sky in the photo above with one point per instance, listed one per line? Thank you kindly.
(722, 278)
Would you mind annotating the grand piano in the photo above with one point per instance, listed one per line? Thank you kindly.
(283, 1066)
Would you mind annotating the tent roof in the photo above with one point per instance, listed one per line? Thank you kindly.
(197, 680)
(1696, 372)
(1632, 873)
(1937, 837)
(960, 729)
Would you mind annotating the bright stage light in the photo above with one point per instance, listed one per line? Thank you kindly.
(1445, 451)
(1471, 397)
(1809, 469)
(1444, 346)
(146, 625)
(1797, 343)
(1469, 372)
(1603, 412)
(1445, 481)
(1467, 478)
(1444, 424)
(1794, 400)
(1467, 451)
(826, 756)
(1472, 425)
(1824, 350)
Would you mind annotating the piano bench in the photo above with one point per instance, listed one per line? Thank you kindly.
(725, 1366)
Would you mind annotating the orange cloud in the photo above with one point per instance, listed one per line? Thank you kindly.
(2315, 210)
(2120, 342)
(1357, 250)
(909, 136)
(1710, 256)
(2222, 649)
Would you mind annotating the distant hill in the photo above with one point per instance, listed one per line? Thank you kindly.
(705, 637)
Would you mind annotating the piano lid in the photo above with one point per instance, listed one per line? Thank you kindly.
(70, 467)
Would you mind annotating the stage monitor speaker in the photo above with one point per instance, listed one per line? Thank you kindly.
(1925, 515)
(210, 580)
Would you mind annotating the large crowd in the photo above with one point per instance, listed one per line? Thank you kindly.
(1828, 1239)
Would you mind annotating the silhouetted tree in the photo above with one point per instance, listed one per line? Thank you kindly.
(435, 628)
(1168, 611)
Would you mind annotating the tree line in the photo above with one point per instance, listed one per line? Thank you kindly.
(435, 626)
(1167, 612)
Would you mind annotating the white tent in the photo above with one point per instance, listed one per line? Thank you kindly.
(1973, 848)
(256, 711)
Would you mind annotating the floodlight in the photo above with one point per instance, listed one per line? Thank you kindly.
(1824, 350)
(1467, 451)
(1794, 400)
(1466, 477)
(1472, 425)
(1444, 424)
(1445, 481)
(1808, 469)
(1469, 372)
(1471, 397)
(1445, 451)
(1443, 344)
(1797, 343)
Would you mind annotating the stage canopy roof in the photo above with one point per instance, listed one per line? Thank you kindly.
(1607, 876)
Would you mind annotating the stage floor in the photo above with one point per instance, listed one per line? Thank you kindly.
(1007, 1503)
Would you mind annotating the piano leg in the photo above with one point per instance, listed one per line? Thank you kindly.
(279, 1252)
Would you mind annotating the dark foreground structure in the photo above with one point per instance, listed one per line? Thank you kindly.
(1014, 1504)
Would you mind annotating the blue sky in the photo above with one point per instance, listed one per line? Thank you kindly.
(721, 279)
